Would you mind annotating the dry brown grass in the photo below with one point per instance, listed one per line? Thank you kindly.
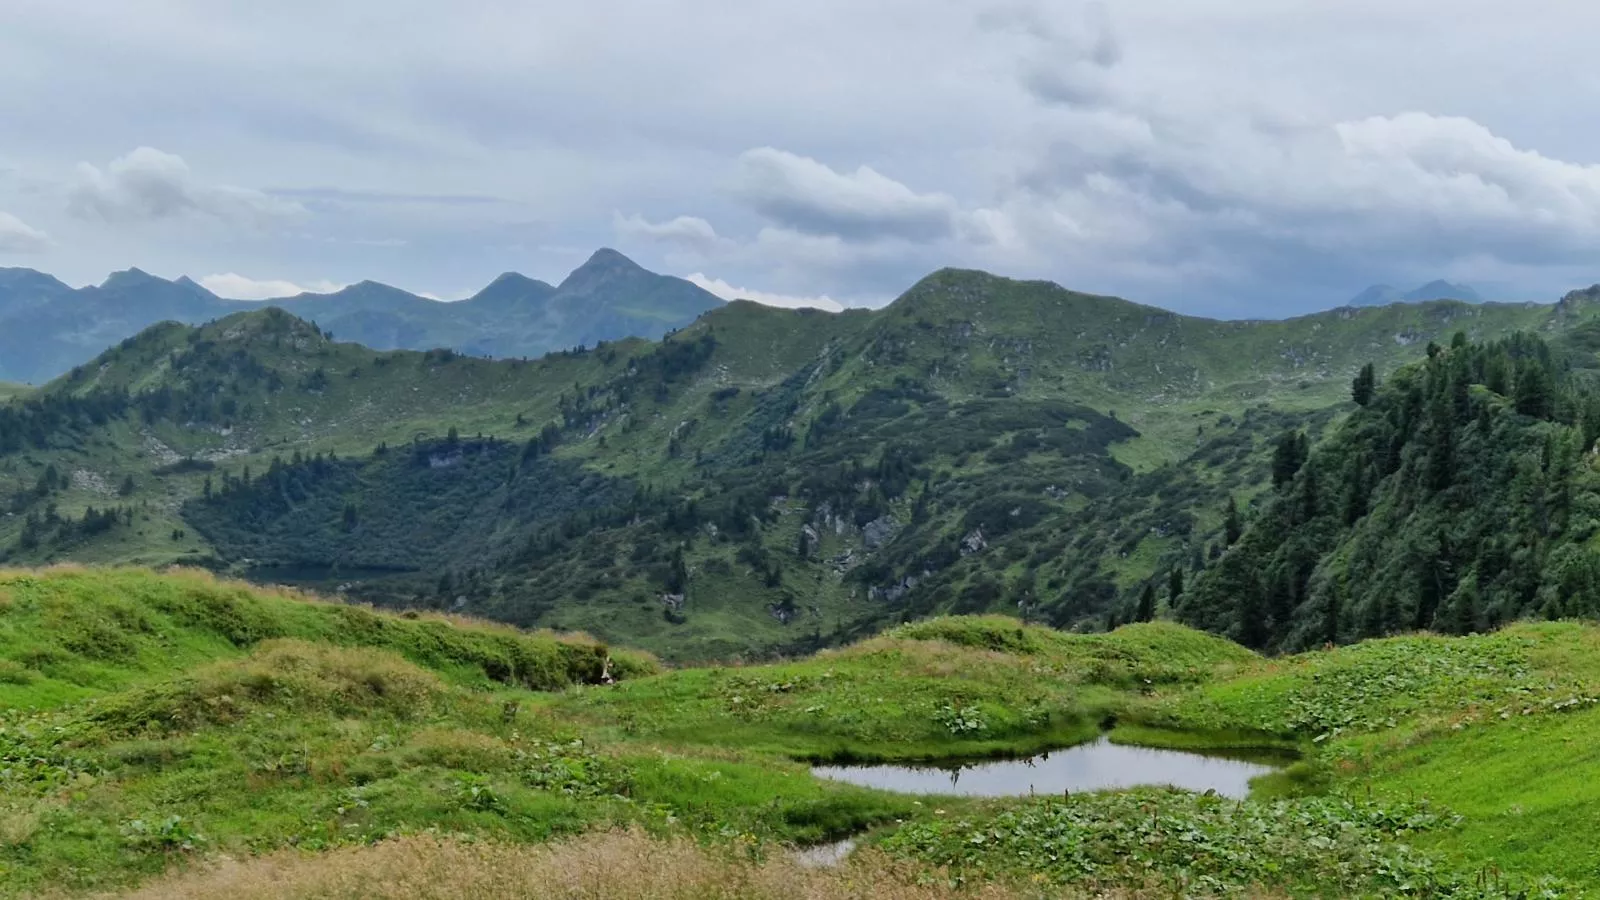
(610, 866)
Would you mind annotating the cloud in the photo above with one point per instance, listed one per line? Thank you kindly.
(17, 236)
(800, 193)
(1410, 189)
(728, 292)
(1062, 61)
(148, 185)
(686, 231)
(237, 287)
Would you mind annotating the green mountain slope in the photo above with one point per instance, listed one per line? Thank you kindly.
(762, 480)
(47, 327)
(1464, 495)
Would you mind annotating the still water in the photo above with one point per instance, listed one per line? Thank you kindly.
(1100, 765)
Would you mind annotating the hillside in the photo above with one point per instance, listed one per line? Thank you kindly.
(1463, 495)
(763, 481)
(156, 724)
(46, 328)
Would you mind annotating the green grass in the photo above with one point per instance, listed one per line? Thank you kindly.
(937, 689)
(68, 633)
(1196, 845)
(150, 720)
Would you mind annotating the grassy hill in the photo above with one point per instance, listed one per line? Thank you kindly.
(762, 481)
(154, 724)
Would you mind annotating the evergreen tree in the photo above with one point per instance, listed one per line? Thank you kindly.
(1288, 456)
(1147, 604)
(1365, 384)
(678, 574)
(1231, 528)
(1533, 390)
(1174, 586)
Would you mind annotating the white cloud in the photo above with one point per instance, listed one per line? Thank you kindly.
(687, 231)
(237, 287)
(728, 292)
(803, 194)
(147, 185)
(17, 236)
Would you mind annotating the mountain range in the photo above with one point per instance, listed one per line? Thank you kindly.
(763, 480)
(47, 327)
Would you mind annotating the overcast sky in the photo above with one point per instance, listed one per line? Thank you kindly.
(1222, 157)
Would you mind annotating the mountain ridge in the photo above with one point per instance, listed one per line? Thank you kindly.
(47, 327)
(1438, 289)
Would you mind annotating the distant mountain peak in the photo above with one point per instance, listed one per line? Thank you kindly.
(134, 277)
(512, 289)
(1438, 289)
(610, 258)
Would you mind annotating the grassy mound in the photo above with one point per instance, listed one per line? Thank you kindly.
(67, 634)
(288, 675)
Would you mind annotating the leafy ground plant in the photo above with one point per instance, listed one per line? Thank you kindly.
(1201, 845)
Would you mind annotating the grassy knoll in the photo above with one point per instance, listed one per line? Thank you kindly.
(193, 737)
(964, 687)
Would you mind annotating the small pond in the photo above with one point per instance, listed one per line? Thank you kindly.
(1099, 765)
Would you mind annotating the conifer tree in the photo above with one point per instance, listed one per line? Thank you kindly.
(1365, 384)
(1147, 604)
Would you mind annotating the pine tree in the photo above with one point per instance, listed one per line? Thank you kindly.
(1147, 604)
(1287, 458)
(1533, 390)
(1365, 384)
(1174, 586)
(1231, 529)
(678, 575)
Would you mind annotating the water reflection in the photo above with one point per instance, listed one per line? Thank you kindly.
(1100, 765)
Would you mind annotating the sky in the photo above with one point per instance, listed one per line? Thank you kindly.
(1234, 158)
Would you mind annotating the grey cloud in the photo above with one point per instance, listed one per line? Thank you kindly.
(687, 231)
(148, 185)
(17, 236)
(1063, 60)
(800, 193)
